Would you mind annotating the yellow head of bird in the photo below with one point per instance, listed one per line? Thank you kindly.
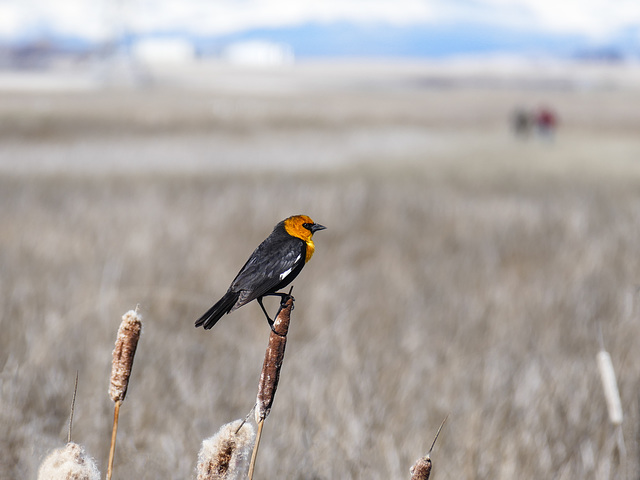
(302, 227)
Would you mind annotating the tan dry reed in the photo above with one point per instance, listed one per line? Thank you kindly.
(612, 397)
(73, 408)
(609, 383)
(123, 355)
(226, 455)
(610, 387)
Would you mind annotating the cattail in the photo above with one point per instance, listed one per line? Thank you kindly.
(610, 387)
(270, 375)
(422, 468)
(226, 455)
(123, 353)
(68, 463)
(273, 358)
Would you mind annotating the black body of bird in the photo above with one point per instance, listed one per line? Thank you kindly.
(273, 265)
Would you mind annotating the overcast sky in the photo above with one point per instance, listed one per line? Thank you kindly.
(92, 19)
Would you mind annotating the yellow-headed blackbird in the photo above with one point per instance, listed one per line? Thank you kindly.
(272, 266)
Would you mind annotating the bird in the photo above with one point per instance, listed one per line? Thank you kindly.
(273, 265)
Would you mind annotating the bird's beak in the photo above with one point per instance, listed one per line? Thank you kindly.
(316, 226)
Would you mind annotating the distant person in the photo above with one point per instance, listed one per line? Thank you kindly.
(546, 123)
(521, 123)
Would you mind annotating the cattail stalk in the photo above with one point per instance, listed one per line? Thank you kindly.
(225, 456)
(273, 358)
(123, 354)
(114, 432)
(254, 454)
(422, 468)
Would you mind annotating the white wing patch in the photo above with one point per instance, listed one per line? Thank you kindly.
(287, 272)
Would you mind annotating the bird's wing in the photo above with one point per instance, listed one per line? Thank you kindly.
(268, 267)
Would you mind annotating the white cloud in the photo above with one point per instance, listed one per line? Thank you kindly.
(10, 20)
(596, 18)
(228, 16)
(77, 17)
(93, 19)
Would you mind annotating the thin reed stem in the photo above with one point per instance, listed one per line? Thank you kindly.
(254, 455)
(73, 407)
(112, 450)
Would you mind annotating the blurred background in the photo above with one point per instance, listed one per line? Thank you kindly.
(477, 164)
(93, 44)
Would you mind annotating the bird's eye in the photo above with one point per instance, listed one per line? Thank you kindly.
(307, 225)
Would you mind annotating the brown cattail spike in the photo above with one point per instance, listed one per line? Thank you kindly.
(123, 353)
(421, 469)
(273, 359)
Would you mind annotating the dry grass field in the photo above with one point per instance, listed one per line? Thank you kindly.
(463, 272)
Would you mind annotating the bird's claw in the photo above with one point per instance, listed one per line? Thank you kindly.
(284, 299)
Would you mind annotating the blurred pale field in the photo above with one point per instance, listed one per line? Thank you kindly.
(463, 272)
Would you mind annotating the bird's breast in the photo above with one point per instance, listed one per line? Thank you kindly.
(310, 249)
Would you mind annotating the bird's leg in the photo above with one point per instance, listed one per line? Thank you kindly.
(266, 314)
(283, 303)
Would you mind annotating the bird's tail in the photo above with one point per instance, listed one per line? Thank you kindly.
(215, 313)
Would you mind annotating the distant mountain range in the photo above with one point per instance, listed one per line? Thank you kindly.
(344, 39)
